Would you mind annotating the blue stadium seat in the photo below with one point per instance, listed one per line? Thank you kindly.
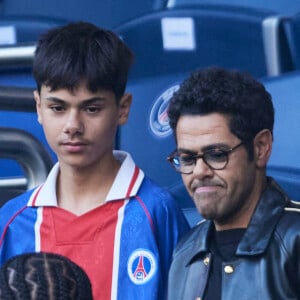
(148, 137)
(147, 134)
(187, 38)
(19, 77)
(283, 7)
(26, 29)
(18, 37)
(1, 7)
(104, 13)
(292, 27)
(17, 107)
(284, 164)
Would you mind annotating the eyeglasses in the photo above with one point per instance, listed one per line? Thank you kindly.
(216, 159)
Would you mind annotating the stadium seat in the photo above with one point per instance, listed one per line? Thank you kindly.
(104, 13)
(292, 27)
(283, 7)
(284, 164)
(183, 39)
(18, 37)
(18, 29)
(148, 137)
(16, 65)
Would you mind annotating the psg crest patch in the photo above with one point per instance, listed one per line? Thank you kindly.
(159, 121)
(141, 266)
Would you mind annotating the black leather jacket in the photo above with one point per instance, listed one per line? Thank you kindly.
(268, 256)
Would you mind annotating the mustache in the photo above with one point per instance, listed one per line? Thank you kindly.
(73, 142)
(205, 182)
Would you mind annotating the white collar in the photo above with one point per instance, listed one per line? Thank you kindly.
(126, 183)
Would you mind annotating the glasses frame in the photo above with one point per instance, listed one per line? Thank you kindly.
(195, 157)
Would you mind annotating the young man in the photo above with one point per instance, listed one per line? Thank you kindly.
(248, 247)
(96, 207)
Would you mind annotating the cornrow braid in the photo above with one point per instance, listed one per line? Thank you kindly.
(43, 276)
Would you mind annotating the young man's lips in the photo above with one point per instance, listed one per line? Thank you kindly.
(74, 146)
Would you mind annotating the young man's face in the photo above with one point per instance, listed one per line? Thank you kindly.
(226, 196)
(80, 127)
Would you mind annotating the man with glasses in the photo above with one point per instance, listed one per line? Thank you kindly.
(248, 245)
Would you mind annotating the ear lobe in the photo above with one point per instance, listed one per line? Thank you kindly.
(37, 99)
(263, 147)
(124, 108)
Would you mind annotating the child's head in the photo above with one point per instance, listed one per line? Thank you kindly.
(82, 53)
(43, 276)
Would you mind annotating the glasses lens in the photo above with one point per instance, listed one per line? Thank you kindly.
(176, 162)
(183, 163)
(216, 159)
(187, 163)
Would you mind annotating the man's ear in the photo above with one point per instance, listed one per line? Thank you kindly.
(263, 147)
(124, 108)
(37, 99)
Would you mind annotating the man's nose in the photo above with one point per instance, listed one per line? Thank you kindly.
(202, 169)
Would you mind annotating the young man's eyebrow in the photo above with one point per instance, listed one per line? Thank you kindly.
(93, 100)
(84, 101)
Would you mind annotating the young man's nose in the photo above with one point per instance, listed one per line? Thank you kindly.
(73, 123)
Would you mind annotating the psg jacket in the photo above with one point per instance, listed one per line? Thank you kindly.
(125, 245)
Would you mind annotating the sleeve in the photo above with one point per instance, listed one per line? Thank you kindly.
(11, 233)
(170, 227)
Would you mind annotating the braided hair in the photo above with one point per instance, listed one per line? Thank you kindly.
(43, 276)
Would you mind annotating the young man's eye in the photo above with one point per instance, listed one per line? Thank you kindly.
(57, 108)
(92, 109)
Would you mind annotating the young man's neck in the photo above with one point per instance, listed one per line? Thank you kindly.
(79, 191)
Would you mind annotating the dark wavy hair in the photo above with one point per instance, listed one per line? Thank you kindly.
(43, 276)
(233, 93)
(82, 52)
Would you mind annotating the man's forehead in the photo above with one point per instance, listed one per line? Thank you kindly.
(191, 124)
(202, 131)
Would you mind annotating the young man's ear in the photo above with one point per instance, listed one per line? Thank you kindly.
(124, 108)
(263, 147)
(37, 99)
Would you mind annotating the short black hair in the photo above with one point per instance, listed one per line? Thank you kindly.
(233, 93)
(82, 52)
(44, 276)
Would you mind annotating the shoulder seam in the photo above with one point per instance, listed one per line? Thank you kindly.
(9, 222)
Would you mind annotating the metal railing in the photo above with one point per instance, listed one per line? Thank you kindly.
(20, 54)
(24, 148)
